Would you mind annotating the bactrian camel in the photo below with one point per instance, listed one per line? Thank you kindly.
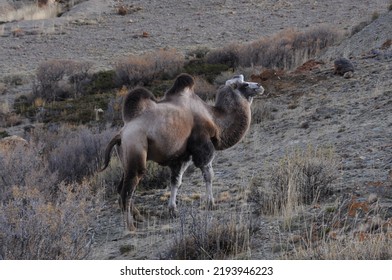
(177, 130)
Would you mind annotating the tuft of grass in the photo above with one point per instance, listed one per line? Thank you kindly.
(37, 225)
(301, 178)
(204, 237)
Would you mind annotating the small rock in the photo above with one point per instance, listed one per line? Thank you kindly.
(348, 75)
(372, 198)
(343, 65)
(304, 125)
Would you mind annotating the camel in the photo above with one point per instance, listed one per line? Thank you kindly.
(177, 130)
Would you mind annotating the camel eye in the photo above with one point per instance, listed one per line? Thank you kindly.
(245, 85)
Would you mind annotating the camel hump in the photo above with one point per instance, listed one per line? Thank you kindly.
(137, 100)
(182, 82)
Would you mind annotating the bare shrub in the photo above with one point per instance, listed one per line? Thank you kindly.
(156, 177)
(301, 178)
(349, 228)
(209, 238)
(51, 79)
(204, 89)
(262, 111)
(228, 55)
(285, 50)
(25, 167)
(142, 70)
(77, 153)
(37, 225)
(32, 12)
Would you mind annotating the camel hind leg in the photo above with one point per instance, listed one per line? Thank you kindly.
(132, 176)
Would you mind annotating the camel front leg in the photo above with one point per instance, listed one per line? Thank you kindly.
(177, 171)
(208, 175)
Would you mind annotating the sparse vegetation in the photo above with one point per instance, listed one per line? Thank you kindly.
(206, 238)
(285, 50)
(143, 69)
(51, 197)
(300, 178)
(41, 216)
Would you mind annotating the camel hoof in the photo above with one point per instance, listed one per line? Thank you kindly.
(139, 218)
(211, 206)
(173, 212)
(131, 227)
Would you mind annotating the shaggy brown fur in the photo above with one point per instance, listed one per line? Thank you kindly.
(176, 130)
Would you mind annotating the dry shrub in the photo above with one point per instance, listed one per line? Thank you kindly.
(76, 153)
(37, 225)
(156, 177)
(262, 110)
(285, 50)
(204, 89)
(51, 79)
(350, 229)
(300, 178)
(25, 166)
(41, 216)
(32, 12)
(228, 55)
(143, 69)
(205, 237)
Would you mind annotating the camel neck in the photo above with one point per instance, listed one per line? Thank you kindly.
(233, 122)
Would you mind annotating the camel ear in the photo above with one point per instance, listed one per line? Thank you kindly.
(233, 82)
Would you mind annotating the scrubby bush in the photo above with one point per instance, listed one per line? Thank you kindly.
(300, 178)
(51, 79)
(143, 69)
(44, 212)
(204, 237)
(228, 55)
(285, 50)
(101, 81)
(204, 89)
(77, 153)
(35, 224)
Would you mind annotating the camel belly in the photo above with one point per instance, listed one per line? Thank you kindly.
(167, 144)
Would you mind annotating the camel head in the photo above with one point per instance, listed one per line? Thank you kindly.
(246, 89)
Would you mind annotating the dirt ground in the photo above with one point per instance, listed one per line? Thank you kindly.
(310, 107)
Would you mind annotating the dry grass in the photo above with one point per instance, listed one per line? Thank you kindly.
(204, 89)
(300, 178)
(41, 216)
(142, 70)
(58, 79)
(205, 237)
(35, 224)
(285, 50)
(32, 12)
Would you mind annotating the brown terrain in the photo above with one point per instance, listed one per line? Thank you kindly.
(307, 106)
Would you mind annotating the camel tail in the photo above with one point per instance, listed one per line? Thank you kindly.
(116, 140)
